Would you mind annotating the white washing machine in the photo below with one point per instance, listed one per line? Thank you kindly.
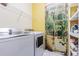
(38, 43)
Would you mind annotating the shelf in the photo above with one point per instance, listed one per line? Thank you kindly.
(74, 19)
(73, 46)
(73, 52)
(75, 16)
(71, 49)
(74, 34)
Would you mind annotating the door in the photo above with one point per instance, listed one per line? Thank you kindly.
(56, 27)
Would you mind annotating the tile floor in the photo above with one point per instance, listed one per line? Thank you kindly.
(49, 53)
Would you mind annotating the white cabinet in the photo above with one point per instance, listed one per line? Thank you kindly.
(24, 22)
(16, 15)
(8, 16)
(24, 7)
(18, 46)
(25, 18)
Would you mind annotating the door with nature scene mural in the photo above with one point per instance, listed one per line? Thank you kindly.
(56, 27)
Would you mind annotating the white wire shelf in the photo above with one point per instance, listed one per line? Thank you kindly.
(74, 34)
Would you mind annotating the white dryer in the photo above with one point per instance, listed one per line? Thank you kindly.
(38, 43)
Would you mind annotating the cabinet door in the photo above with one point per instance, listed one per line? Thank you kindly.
(24, 7)
(25, 18)
(18, 46)
(8, 16)
(25, 21)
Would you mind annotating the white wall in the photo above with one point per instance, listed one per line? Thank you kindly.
(16, 15)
